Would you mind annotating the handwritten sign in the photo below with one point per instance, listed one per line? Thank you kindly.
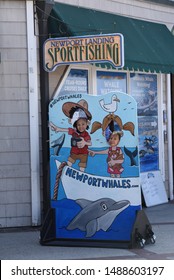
(153, 188)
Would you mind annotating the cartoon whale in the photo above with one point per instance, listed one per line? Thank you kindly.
(97, 215)
(57, 144)
(131, 155)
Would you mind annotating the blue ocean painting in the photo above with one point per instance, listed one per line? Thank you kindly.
(120, 229)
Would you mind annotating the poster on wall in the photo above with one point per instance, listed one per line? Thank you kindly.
(148, 143)
(110, 81)
(77, 81)
(144, 90)
(94, 164)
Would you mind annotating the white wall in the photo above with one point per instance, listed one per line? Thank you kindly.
(15, 193)
(132, 8)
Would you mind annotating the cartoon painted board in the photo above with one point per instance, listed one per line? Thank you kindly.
(94, 166)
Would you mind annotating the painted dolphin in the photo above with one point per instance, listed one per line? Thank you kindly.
(97, 215)
(57, 144)
(131, 155)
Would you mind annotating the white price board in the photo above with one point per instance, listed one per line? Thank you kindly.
(153, 188)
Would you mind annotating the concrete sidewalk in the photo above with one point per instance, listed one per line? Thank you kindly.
(24, 243)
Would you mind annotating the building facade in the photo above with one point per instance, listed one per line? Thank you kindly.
(24, 96)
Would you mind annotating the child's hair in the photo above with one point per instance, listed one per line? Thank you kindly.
(119, 133)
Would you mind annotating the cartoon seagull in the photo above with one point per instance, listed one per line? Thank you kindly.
(110, 107)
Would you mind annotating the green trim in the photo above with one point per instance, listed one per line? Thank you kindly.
(148, 46)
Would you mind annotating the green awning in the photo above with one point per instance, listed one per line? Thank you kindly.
(148, 46)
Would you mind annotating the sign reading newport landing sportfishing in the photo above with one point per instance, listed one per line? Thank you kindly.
(84, 49)
(94, 166)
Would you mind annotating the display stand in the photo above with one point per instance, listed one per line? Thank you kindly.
(95, 183)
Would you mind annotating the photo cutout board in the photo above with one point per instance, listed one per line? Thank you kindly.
(94, 166)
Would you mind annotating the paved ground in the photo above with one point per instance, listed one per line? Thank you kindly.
(24, 243)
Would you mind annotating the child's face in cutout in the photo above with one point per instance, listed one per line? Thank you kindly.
(114, 140)
(82, 125)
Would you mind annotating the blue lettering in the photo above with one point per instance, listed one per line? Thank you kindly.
(124, 183)
(94, 183)
(62, 43)
(98, 182)
(69, 172)
(104, 184)
(90, 181)
(111, 184)
(119, 185)
(128, 183)
(74, 174)
(85, 178)
(79, 177)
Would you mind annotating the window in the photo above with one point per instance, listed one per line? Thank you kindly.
(111, 81)
(76, 82)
